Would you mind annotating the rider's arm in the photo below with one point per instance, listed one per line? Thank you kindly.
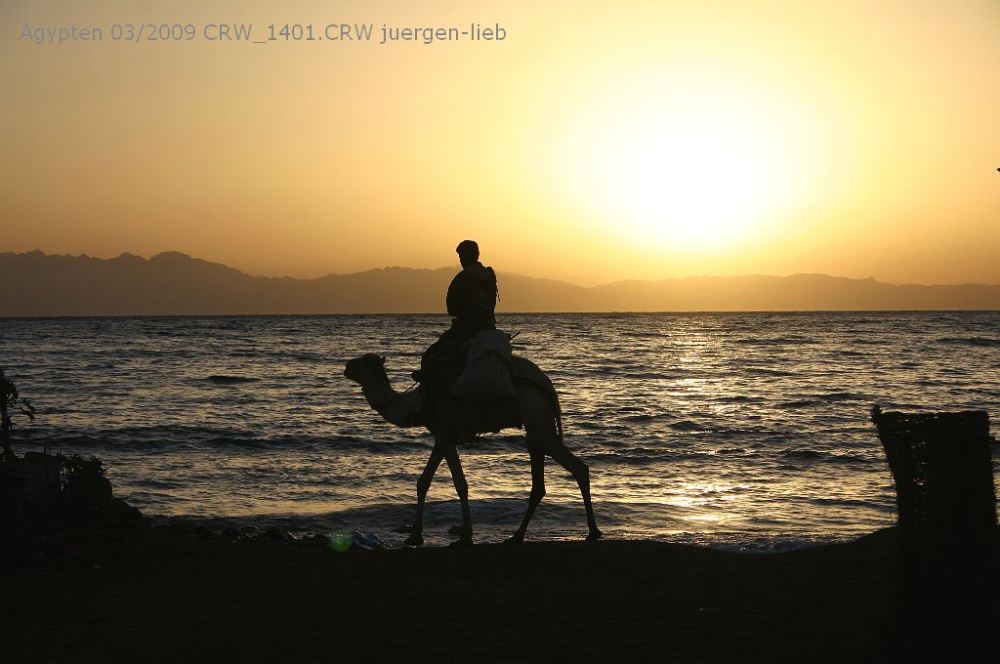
(455, 294)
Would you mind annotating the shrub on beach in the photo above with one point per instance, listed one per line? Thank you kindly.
(11, 404)
(41, 492)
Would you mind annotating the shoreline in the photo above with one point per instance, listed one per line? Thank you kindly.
(303, 528)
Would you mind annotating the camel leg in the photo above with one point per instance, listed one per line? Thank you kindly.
(537, 493)
(581, 473)
(416, 537)
(462, 489)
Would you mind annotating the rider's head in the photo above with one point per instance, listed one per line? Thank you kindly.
(468, 252)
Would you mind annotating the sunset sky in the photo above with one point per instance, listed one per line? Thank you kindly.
(599, 141)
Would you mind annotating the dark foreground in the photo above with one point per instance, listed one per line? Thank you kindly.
(156, 595)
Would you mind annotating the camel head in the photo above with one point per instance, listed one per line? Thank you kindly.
(365, 369)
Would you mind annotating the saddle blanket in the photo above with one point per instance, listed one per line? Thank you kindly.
(487, 368)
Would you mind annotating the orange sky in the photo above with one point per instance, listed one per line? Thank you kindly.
(598, 141)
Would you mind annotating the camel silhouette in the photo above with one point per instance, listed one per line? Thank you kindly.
(535, 407)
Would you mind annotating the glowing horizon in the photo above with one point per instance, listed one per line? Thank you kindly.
(595, 143)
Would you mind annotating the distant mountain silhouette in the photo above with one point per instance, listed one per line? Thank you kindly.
(36, 284)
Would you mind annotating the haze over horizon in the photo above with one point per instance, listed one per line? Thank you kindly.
(596, 143)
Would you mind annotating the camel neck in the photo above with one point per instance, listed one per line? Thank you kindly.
(400, 408)
(378, 392)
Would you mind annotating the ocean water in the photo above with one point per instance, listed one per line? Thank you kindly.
(746, 431)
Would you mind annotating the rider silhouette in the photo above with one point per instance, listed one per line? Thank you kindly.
(471, 301)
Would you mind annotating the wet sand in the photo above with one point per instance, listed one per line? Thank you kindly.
(156, 595)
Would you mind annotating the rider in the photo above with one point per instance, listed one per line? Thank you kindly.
(472, 294)
(471, 301)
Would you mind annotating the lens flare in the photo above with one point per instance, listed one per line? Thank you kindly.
(341, 542)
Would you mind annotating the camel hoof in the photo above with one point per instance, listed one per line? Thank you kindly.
(415, 539)
(515, 539)
(461, 543)
(594, 535)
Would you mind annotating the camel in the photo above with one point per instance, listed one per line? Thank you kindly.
(535, 407)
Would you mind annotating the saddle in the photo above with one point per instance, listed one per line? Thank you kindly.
(486, 375)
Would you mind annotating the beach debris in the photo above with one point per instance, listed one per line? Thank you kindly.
(368, 541)
(249, 532)
(279, 535)
(341, 541)
(356, 540)
(315, 541)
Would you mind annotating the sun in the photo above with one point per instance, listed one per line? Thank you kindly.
(693, 181)
(683, 168)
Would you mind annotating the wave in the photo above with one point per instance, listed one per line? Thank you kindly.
(822, 399)
(222, 379)
(388, 518)
(495, 519)
(738, 398)
(638, 456)
(633, 373)
(686, 425)
(762, 371)
(162, 438)
(807, 454)
(969, 341)
(852, 502)
(776, 341)
(799, 403)
(645, 417)
(642, 456)
(732, 451)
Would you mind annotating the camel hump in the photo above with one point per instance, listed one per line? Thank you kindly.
(523, 370)
(526, 372)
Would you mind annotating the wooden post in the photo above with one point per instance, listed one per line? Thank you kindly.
(943, 472)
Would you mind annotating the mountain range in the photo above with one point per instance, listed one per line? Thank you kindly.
(172, 283)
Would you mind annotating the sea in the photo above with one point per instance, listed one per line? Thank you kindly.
(743, 431)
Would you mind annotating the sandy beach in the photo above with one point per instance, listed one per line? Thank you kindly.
(155, 594)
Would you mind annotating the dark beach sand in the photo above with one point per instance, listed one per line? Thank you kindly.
(156, 595)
